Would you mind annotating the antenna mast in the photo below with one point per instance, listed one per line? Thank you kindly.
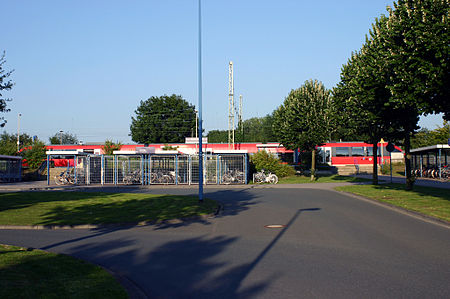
(231, 111)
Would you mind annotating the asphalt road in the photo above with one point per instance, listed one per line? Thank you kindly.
(332, 246)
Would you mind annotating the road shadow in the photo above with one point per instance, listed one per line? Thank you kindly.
(189, 268)
(193, 267)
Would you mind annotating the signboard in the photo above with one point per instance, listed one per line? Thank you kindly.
(194, 140)
(145, 150)
(390, 147)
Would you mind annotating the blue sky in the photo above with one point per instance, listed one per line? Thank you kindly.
(83, 66)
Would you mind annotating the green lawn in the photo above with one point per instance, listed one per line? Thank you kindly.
(433, 202)
(38, 274)
(76, 208)
(301, 179)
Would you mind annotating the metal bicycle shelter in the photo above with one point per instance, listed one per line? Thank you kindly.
(148, 169)
(10, 168)
(437, 156)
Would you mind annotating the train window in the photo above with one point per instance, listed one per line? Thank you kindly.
(358, 151)
(369, 151)
(342, 151)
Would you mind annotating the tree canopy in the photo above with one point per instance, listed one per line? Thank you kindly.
(400, 73)
(305, 118)
(426, 137)
(34, 154)
(164, 119)
(255, 129)
(5, 84)
(63, 138)
(8, 143)
(109, 147)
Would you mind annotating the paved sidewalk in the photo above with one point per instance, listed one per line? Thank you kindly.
(401, 180)
(42, 185)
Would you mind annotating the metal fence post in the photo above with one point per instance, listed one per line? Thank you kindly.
(176, 169)
(48, 169)
(102, 170)
(115, 169)
(142, 169)
(246, 168)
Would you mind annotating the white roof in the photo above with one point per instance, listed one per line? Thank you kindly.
(10, 157)
(431, 147)
(269, 145)
(65, 153)
(230, 151)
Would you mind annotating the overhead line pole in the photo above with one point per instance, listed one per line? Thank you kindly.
(200, 120)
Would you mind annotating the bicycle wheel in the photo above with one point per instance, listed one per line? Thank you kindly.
(71, 179)
(273, 179)
(260, 177)
(59, 179)
(227, 179)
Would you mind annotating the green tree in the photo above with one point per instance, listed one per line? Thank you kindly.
(255, 129)
(34, 154)
(305, 119)
(5, 84)
(364, 101)
(415, 40)
(66, 138)
(218, 136)
(426, 137)
(109, 147)
(164, 119)
(8, 143)
(409, 50)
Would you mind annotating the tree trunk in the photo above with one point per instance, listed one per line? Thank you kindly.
(313, 165)
(375, 163)
(409, 178)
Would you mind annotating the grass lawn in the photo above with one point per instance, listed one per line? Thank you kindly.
(428, 201)
(38, 274)
(302, 179)
(76, 208)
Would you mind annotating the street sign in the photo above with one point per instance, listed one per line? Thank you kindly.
(390, 147)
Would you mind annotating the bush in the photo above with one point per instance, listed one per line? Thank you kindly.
(268, 162)
(34, 155)
(386, 168)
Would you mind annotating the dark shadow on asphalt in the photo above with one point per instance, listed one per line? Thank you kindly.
(188, 268)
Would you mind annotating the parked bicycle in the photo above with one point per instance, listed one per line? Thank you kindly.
(133, 177)
(164, 177)
(67, 177)
(233, 176)
(262, 177)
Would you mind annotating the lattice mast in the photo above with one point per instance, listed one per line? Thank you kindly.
(231, 109)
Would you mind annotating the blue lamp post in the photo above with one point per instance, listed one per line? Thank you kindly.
(200, 120)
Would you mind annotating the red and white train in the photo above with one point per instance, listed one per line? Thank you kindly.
(334, 153)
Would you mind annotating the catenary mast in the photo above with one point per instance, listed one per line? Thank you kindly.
(231, 109)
